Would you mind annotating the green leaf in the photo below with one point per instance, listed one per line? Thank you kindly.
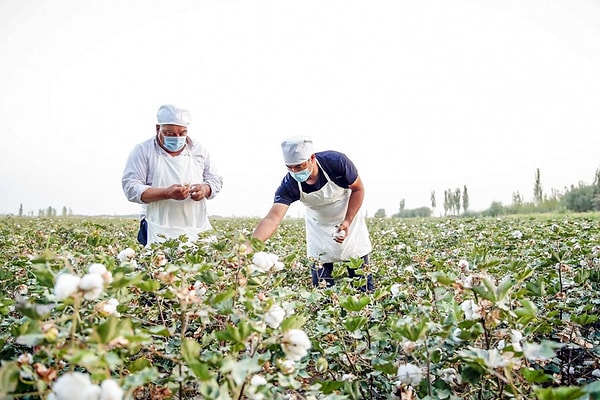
(9, 377)
(355, 323)
(351, 303)
(148, 285)
(240, 370)
(328, 387)
(441, 277)
(237, 333)
(413, 330)
(559, 393)
(535, 376)
(110, 330)
(190, 350)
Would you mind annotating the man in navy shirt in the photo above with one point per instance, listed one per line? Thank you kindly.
(328, 184)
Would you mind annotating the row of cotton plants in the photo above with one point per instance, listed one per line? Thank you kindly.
(476, 309)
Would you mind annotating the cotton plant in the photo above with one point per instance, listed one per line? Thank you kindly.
(79, 386)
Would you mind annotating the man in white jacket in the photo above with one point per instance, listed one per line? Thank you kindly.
(171, 176)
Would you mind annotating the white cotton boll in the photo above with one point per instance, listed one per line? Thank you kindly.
(97, 268)
(272, 258)
(278, 266)
(515, 338)
(258, 380)
(464, 265)
(596, 373)
(295, 344)
(395, 289)
(274, 316)
(92, 286)
(101, 270)
(92, 392)
(287, 366)
(409, 374)
(126, 255)
(110, 307)
(66, 285)
(71, 386)
(471, 310)
(111, 390)
(468, 282)
(517, 234)
(262, 261)
(335, 234)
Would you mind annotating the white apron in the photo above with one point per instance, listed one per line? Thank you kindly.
(326, 208)
(173, 218)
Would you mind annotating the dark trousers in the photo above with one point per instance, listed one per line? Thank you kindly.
(324, 273)
(142, 235)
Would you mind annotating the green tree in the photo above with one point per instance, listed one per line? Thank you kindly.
(433, 203)
(579, 199)
(465, 199)
(21, 210)
(538, 194)
(457, 200)
(380, 213)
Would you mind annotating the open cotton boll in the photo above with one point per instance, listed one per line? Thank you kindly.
(265, 262)
(72, 386)
(409, 374)
(92, 286)
(274, 316)
(295, 344)
(111, 390)
(101, 270)
(126, 255)
(66, 285)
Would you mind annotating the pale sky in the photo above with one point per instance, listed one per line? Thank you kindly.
(422, 95)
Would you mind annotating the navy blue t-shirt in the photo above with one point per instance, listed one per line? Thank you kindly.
(337, 165)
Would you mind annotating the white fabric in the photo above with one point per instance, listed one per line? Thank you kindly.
(326, 208)
(297, 149)
(171, 115)
(173, 218)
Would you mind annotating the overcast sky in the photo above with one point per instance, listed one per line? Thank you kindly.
(422, 95)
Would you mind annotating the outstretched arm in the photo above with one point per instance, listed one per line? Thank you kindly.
(267, 226)
(354, 203)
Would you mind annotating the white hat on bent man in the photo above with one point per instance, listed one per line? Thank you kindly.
(297, 149)
(168, 114)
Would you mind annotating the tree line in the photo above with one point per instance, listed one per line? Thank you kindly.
(576, 198)
(45, 212)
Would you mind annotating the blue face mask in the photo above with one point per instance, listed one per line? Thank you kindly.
(174, 143)
(301, 176)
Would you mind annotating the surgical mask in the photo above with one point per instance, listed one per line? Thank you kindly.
(174, 143)
(301, 176)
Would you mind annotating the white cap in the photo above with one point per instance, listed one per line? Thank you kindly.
(171, 115)
(297, 149)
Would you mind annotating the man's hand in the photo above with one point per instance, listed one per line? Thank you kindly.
(178, 192)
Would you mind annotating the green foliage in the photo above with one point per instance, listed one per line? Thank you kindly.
(496, 308)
